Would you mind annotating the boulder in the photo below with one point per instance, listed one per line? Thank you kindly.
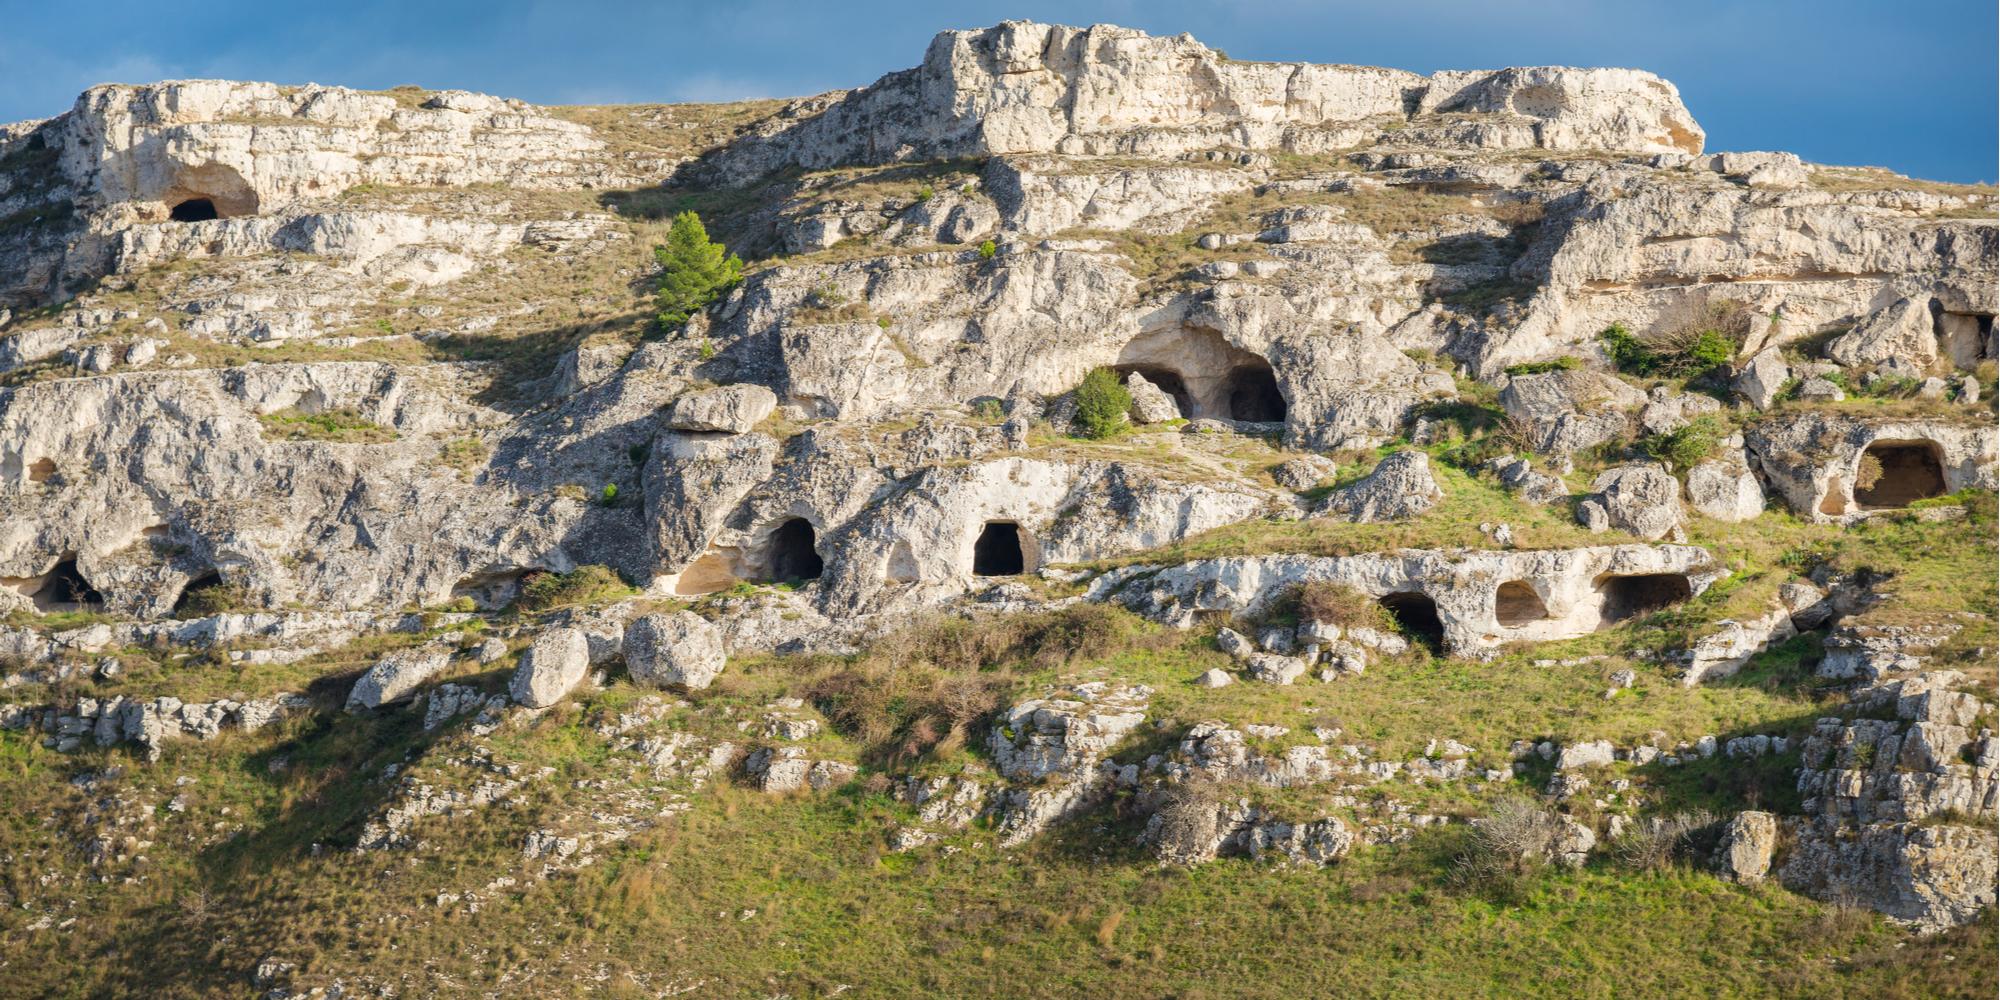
(555, 663)
(1401, 487)
(1763, 378)
(1150, 403)
(732, 409)
(1533, 486)
(1724, 490)
(1642, 499)
(1567, 411)
(1272, 668)
(1904, 334)
(674, 650)
(1303, 472)
(396, 676)
(1748, 842)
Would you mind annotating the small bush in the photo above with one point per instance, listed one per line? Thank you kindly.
(988, 249)
(925, 193)
(989, 410)
(610, 494)
(342, 426)
(1681, 355)
(582, 585)
(1654, 843)
(1509, 846)
(695, 271)
(213, 599)
(1101, 403)
(1682, 448)
(1562, 364)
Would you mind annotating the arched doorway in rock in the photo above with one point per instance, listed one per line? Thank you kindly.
(65, 589)
(194, 210)
(1515, 604)
(1417, 615)
(998, 551)
(795, 552)
(1166, 379)
(197, 597)
(1641, 594)
(1252, 391)
(1896, 473)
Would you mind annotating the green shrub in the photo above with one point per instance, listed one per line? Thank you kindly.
(988, 249)
(1627, 353)
(695, 271)
(582, 585)
(1562, 364)
(1711, 349)
(1678, 355)
(925, 193)
(610, 494)
(1681, 449)
(1101, 402)
(213, 599)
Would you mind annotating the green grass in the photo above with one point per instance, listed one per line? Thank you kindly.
(341, 426)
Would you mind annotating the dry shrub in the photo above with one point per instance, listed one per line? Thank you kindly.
(1654, 843)
(925, 689)
(1868, 472)
(1335, 604)
(1508, 847)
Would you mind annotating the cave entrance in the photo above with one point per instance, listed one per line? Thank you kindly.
(1167, 380)
(1252, 391)
(998, 550)
(65, 589)
(1630, 596)
(1417, 615)
(1895, 473)
(196, 598)
(194, 210)
(795, 552)
(1208, 376)
(1515, 604)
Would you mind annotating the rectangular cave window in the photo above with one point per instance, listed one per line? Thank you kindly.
(998, 550)
(1631, 596)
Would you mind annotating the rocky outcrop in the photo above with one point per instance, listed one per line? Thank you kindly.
(1900, 810)
(1399, 488)
(397, 676)
(1569, 592)
(1022, 87)
(1052, 748)
(1643, 500)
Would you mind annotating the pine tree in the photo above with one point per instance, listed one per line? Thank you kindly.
(696, 271)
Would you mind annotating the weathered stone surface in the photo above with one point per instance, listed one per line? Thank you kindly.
(1725, 490)
(1568, 411)
(1748, 843)
(1400, 487)
(555, 663)
(396, 676)
(733, 409)
(678, 650)
(1644, 500)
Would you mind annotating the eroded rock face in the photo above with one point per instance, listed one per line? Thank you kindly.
(1032, 88)
(1815, 461)
(1561, 593)
(1900, 810)
(1643, 500)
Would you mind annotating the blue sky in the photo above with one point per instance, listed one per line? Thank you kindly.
(1907, 85)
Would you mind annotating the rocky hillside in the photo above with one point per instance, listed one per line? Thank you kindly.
(1512, 526)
